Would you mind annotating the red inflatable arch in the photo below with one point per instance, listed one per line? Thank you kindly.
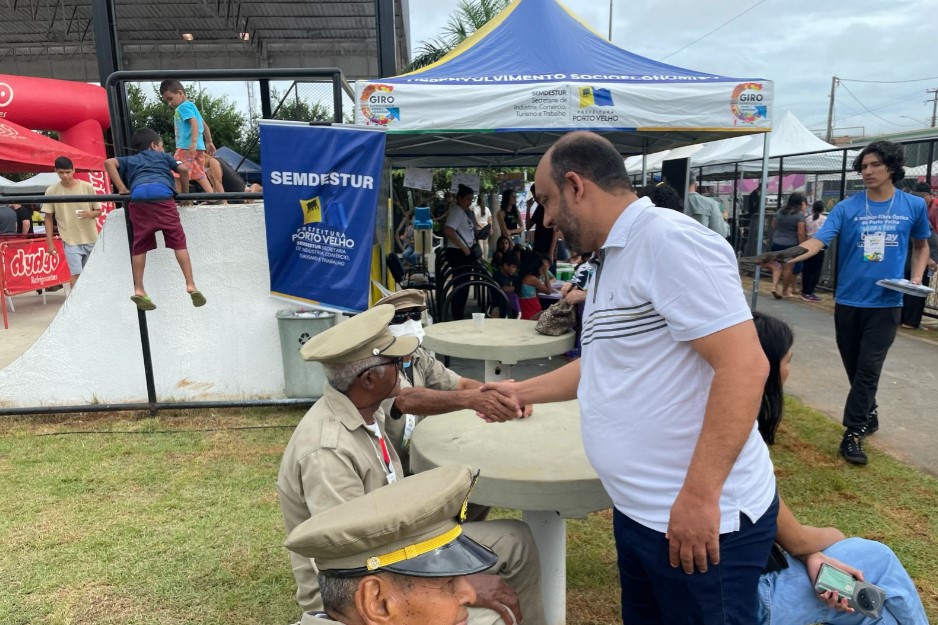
(77, 111)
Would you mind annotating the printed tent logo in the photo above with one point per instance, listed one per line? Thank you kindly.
(591, 96)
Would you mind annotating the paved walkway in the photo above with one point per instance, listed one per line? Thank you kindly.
(908, 388)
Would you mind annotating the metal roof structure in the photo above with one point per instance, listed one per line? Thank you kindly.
(55, 38)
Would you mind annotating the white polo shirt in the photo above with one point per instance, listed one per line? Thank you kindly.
(664, 280)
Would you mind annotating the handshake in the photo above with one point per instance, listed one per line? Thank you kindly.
(781, 256)
(497, 402)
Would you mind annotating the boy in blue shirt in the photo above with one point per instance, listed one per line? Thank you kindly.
(873, 230)
(193, 137)
(149, 176)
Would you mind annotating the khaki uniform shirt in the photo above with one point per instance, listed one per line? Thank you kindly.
(74, 231)
(428, 372)
(330, 459)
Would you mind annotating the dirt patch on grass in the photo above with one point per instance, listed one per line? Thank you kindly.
(93, 603)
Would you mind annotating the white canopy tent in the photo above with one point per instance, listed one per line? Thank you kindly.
(31, 186)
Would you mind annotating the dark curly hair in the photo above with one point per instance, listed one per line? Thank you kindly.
(891, 154)
(663, 195)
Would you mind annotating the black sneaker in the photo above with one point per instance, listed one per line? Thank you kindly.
(872, 425)
(851, 448)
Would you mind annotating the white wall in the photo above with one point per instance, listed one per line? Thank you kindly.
(228, 349)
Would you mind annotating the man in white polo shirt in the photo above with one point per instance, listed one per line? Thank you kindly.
(669, 388)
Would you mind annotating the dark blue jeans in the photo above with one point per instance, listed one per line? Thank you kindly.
(727, 594)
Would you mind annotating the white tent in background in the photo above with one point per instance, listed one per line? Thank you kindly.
(789, 138)
(4, 181)
(31, 186)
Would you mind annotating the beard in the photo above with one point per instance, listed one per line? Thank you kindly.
(569, 228)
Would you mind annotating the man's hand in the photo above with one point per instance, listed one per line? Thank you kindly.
(193, 150)
(781, 256)
(813, 564)
(566, 288)
(575, 297)
(694, 532)
(505, 389)
(496, 407)
(51, 249)
(494, 593)
(210, 148)
(123, 190)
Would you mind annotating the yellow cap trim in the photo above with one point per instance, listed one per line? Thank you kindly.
(412, 551)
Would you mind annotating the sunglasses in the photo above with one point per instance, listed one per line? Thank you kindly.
(398, 363)
(401, 317)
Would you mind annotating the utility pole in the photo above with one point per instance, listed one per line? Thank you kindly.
(830, 110)
(934, 105)
(610, 23)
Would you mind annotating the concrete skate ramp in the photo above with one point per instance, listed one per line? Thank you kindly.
(228, 349)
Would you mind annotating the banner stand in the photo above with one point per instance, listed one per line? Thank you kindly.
(26, 265)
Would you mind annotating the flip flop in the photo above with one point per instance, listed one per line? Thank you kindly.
(776, 295)
(197, 298)
(143, 302)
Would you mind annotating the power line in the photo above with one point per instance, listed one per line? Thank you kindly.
(847, 89)
(888, 82)
(727, 22)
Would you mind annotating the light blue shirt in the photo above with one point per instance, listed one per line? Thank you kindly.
(185, 112)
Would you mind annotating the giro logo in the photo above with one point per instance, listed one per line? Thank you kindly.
(39, 262)
(6, 94)
(377, 105)
(748, 102)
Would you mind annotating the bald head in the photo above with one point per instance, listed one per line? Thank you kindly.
(592, 157)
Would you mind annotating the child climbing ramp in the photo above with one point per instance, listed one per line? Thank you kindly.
(148, 174)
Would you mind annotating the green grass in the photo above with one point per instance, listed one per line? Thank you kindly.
(155, 523)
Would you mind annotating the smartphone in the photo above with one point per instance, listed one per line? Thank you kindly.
(862, 597)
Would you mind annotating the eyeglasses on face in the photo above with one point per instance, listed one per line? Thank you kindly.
(401, 317)
(398, 363)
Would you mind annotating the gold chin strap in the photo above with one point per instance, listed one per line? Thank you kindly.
(412, 551)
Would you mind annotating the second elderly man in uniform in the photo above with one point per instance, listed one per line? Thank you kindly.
(339, 452)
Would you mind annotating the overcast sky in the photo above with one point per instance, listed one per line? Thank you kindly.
(799, 44)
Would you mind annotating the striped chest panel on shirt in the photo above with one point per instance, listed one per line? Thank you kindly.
(622, 321)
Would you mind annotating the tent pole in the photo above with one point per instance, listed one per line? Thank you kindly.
(735, 206)
(763, 187)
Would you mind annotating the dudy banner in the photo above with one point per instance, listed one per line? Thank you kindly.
(321, 186)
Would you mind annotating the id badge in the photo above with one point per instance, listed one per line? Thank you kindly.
(410, 421)
(874, 247)
(392, 476)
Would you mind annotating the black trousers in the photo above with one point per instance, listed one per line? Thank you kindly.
(811, 273)
(864, 336)
(457, 258)
(914, 307)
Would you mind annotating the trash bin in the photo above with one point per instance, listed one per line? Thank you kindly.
(301, 378)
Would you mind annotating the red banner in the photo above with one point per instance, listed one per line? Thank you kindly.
(28, 265)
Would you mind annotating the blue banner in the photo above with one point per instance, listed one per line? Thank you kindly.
(320, 200)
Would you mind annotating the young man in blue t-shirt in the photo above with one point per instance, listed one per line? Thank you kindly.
(148, 177)
(873, 230)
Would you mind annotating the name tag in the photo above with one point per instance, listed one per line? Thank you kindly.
(410, 421)
(392, 476)
(874, 247)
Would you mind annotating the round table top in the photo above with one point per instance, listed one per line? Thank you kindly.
(506, 340)
(535, 464)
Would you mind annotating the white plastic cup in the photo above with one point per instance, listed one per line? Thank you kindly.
(478, 321)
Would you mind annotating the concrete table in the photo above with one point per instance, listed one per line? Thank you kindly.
(536, 465)
(501, 342)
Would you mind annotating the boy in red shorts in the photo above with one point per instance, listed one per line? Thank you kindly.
(149, 174)
(193, 137)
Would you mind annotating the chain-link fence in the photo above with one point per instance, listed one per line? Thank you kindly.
(826, 176)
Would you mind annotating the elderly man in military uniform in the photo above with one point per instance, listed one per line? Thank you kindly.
(398, 555)
(427, 386)
(339, 452)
